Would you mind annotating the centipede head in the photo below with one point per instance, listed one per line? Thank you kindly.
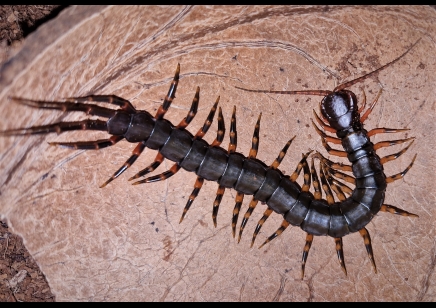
(340, 109)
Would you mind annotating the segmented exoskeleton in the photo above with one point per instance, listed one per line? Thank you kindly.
(247, 175)
(340, 110)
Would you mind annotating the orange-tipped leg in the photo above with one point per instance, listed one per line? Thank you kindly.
(367, 241)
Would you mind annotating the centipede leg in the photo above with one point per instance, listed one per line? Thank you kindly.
(109, 99)
(325, 139)
(300, 166)
(255, 139)
(58, 128)
(253, 153)
(253, 202)
(233, 134)
(217, 142)
(336, 188)
(324, 125)
(306, 177)
(316, 184)
(197, 186)
(69, 107)
(89, 145)
(135, 154)
(343, 187)
(363, 102)
(400, 175)
(383, 144)
(332, 151)
(340, 175)
(369, 110)
(395, 210)
(276, 163)
(325, 186)
(161, 177)
(391, 157)
(340, 252)
(324, 136)
(192, 111)
(330, 201)
(338, 166)
(367, 241)
(238, 203)
(156, 163)
(383, 130)
(309, 240)
(251, 207)
(265, 216)
(208, 122)
(216, 203)
(221, 130)
(279, 231)
(170, 96)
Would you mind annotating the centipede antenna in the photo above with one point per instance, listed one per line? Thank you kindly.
(305, 92)
(354, 81)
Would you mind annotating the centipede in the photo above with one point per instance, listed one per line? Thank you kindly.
(344, 210)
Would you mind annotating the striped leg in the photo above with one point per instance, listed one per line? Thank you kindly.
(135, 154)
(109, 99)
(159, 157)
(197, 186)
(309, 237)
(192, 111)
(340, 253)
(156, 163)
(253, 202)
(395, 210)
(339, 175)
(367, 241)
(58, 128)
(89, 145)
(202, 131)
(231, 149)
(170, 96)
(68, 107)
(309, 240)
(216, 143)
(252, 154)
(300, 166)
(306, 186)
(330, 201)
(265, 216)
(199, 182)
(279, 231)
(334, 165)
(161, 177)
(400, 175)
(396, 155)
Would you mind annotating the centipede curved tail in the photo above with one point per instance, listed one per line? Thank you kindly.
(247, 175)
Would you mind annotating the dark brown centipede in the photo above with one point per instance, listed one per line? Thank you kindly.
(247, 175)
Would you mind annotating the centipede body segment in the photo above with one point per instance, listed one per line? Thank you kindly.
(282, 194)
